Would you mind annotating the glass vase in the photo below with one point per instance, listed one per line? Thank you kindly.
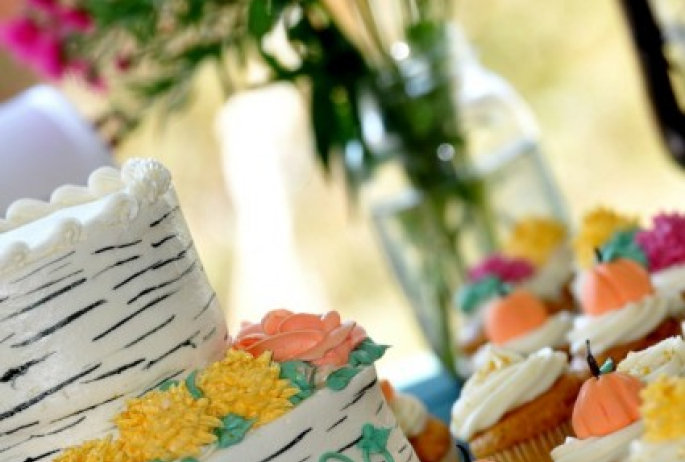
(455, 160)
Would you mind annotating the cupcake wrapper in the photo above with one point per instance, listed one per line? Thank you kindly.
(534, 450)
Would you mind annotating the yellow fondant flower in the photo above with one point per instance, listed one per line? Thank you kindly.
(166, 425)
(246, 386)
(596, 229)
(535, 239)
(104, 450)
(663, 408)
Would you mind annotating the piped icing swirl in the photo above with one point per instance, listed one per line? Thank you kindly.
(549, 280)
(609, 448)
(552, 334)
(621, 326)
(665, 358)
(505, 381)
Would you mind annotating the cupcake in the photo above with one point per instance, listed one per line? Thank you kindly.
(544, 243)
(520, 322)
(663, 411)
(597, 228)
(606, 417)
(621, 312)
(664, 245)
(485, 282)
(516, 408)
(665, 358)
(429, 436)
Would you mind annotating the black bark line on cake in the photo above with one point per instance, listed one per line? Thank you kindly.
(151, 331)
(360, 394)
(341, 420)
(205, 306)
(37, 399)
(116, 371)
(50, 297)
(164, 284)
(164, 217)
(60, 325)
(14, 373)
(22, 427)
(157, 265)
(288, 446)
(116, 264)
(85, 409)
(162, 241)
(49, 284)
(116, 247)
(145, 307)
(186, 343)
(41, 268)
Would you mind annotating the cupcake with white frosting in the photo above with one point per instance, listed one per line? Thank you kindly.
(664, 245)
(606, 417)
(516, 406)
(429, 436)
(621, 312)
(665, 358)
(662, 410)
(519, 321)
(544, 242)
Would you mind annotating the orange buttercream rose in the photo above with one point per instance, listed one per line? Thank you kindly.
(320, 339)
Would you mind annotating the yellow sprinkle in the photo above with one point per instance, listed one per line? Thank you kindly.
(596, 229)
(535, 239)
(663, 409)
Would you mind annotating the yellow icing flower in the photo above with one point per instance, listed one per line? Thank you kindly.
(663, 408)
(105, 450)
(166, 425)
(596, 229)
(535, 239)
(247, 386)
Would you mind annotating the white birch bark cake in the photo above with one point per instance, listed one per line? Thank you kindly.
(113, 346)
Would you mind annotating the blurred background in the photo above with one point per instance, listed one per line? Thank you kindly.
(572, 61)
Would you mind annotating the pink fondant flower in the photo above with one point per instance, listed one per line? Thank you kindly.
(47, 56)
(75, 19)
(511, 270)
(322, 340)
(664, 242)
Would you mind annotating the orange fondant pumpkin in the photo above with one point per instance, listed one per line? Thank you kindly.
(612, 285)
(513, 315)
(606, 403)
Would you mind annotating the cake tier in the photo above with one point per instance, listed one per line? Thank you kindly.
(102, 297)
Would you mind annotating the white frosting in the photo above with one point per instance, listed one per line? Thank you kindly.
(621, 326)
(549, 280)
(506, 381)
(609, 448)
(411, 414)
(670, 282)
(665, 358)
(551, 334)
(327, 421)
(102, 296)
(667, 451)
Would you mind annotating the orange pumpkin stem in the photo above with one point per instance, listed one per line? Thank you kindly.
(598, 255)
(591, 361)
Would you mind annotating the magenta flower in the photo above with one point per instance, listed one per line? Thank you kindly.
(664, 242)
(50, 7)
(20, 36)
(47, 56)
(509, 270)
(75, 20)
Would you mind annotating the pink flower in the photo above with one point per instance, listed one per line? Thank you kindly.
(47, 56)
(321, 340)
(48, 6)
(75, 20)
(20, 36)
(664, 242)
(511, 270)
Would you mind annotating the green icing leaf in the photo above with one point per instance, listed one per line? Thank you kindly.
(339, 379)
(232, 430)
(367, 353)
(167, 384)
(194, 391)
(474, 295)
(623, 245)
(373, 441)
(301, 376)
(188, 459)
(607, 367)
